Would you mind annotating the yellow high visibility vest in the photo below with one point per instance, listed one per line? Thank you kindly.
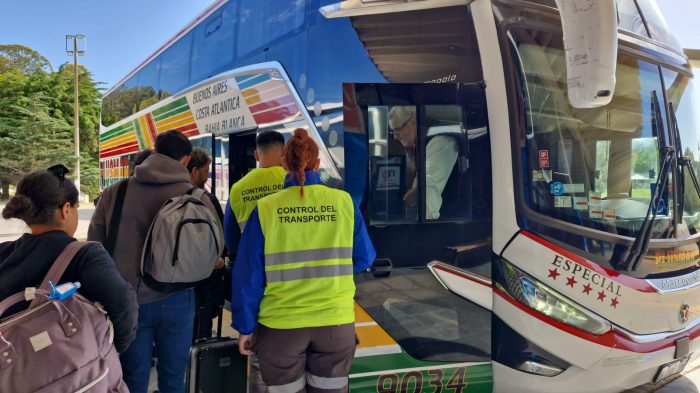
(258, 183)
(308, 258)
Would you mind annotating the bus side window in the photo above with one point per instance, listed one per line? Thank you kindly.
(175, 67)
(213, 45)
(257, 27)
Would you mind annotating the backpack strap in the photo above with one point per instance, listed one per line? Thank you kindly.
(59, 266)
(196, 192)
(61, 263)
(116, 218)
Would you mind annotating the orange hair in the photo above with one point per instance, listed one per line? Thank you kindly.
(300, 153)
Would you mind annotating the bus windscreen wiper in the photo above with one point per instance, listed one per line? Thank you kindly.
(684, 162)
(641, 242)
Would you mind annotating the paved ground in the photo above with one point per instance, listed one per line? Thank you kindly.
(689, 382)
(12, 229)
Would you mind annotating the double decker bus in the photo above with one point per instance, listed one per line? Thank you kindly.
(524, 244)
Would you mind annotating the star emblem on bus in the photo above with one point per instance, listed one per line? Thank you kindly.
(571, 281)
(614, 302)
(554, 273)
(587, 289)
(601, 296)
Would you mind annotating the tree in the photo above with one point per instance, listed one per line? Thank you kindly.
(23, 59)
(31, 139)
(36, 117)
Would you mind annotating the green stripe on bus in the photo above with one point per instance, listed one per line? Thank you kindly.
(172, 112)
(157, 113)
(139, 134)
(121, 130)
(401, 369)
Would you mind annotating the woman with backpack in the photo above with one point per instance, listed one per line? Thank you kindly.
(48, 203)
(293, 281)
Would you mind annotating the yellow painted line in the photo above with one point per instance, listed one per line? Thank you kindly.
(370, 333)
(373, 336)
(131, 136)
(175, 124)
(361, 315)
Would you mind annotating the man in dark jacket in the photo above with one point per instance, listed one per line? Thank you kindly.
(164, 319)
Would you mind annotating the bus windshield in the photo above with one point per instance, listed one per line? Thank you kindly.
(598, 168)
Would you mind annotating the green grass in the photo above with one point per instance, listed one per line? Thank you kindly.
(641, 192)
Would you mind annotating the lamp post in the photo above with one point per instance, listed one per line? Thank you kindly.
(74, 50)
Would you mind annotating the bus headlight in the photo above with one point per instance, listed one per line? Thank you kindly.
(534, 294)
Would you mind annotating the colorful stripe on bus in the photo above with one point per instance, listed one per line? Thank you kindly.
(268, 99)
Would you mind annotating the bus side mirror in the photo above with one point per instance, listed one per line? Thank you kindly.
(381, 268)
(590, 43)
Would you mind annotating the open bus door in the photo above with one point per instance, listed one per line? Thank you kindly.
(418, 163)
(242, 155)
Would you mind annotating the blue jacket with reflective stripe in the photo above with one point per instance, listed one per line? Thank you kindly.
(248, 283)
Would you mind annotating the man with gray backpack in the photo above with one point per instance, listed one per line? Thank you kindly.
(164, 236)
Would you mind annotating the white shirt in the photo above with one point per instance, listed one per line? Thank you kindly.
(440, 157)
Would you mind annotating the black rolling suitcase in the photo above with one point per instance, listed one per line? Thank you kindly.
(216, 365)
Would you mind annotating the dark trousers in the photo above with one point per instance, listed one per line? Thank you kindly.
(168, 324)
(313, 359)
(209, 297)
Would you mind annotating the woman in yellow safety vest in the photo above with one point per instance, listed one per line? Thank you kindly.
(293, 282)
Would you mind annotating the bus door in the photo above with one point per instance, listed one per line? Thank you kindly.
(426, 199)
(241, 155)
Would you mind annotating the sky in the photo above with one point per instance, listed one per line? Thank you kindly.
(121, 34)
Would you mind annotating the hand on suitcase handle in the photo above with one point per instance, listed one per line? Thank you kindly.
(245, 344)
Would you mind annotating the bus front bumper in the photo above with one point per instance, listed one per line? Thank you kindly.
(607, 363)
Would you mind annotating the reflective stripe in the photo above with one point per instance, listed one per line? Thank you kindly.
(326, 383)
(293, 387)
(318, 254)
(308, 272)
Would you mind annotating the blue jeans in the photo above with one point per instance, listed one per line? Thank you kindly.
(168, 323)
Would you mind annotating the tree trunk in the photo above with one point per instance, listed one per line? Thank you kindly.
(4, 190)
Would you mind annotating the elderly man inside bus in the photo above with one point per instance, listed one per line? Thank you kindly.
(441, 154)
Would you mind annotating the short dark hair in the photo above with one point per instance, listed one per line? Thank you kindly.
(141, 156)
(37, 197)
(174, 144)
(198, 159)
(267, 139)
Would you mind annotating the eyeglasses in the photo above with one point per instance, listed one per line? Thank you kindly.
(397, 130)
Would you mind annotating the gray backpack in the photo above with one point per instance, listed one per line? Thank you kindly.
(183, 243)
